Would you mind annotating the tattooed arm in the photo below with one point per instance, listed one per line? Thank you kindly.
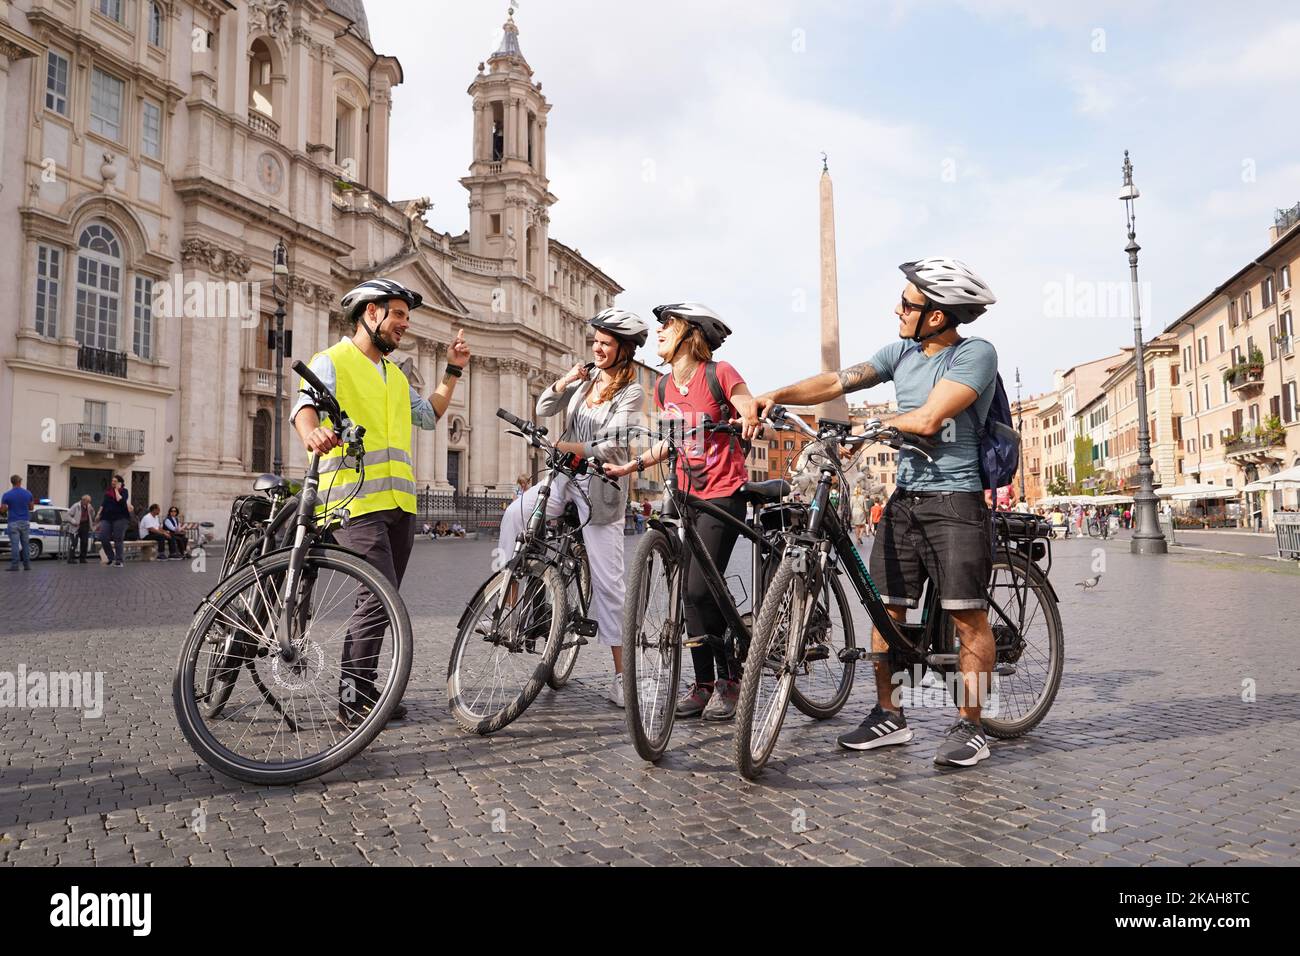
(820, 388)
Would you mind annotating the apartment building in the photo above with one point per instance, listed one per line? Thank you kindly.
(1239, 369)
(1114, 419)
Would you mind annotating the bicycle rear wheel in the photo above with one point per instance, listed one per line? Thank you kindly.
(282, 725)
(823, 682)
(578, 595)
(1028, 635)
(775, 654)
(652, 645)
(505, 648)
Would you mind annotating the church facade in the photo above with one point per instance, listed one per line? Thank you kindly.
(155, 152)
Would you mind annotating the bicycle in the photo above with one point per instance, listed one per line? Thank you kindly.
(654, 614)
(307, 621)
(1028, 662)
(529, 618)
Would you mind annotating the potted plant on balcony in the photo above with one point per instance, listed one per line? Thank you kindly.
(1255, 363)
(1272, 432)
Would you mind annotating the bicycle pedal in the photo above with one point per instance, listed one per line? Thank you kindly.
(818, 652)
(850, 654)
(1005, 670)
(584, 627)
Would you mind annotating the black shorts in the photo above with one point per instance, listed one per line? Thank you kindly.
(944, 536)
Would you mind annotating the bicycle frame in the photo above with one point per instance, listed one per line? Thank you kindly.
(682, 529)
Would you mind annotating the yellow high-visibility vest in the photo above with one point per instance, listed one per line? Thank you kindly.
(383, 406)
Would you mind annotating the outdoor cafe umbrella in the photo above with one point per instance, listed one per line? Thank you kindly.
(1289, 478)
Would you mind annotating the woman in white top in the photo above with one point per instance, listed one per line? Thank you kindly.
(601, 407)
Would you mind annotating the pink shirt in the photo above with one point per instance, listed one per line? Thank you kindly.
(714, 465)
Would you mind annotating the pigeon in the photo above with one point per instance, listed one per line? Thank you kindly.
(1089, 583)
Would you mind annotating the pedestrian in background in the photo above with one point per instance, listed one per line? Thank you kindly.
(177, 541)
(79, 517)
(151, 530)
(114, 517)
(861, 513)
(16, 504)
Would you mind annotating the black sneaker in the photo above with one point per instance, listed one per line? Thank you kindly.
(966, 745)
(881, 729)
(351, 717)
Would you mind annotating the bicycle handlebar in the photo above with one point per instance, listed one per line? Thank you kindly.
(349, 433)
(876, 431)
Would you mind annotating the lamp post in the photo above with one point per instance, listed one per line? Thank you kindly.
(280, 290)
(1020, 427)
(1147, 536)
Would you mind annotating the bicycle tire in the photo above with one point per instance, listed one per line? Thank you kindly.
(222, 668)
(550, 587)
(578, 595)
(750, 761)
(1006, 729)
(825, 708)
(666, 651)
(397, 626)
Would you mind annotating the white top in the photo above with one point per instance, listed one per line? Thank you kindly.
(148, 523)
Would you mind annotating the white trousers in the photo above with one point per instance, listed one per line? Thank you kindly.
(604, 544)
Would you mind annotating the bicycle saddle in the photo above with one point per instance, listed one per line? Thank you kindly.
(773, 489)
(272, 483)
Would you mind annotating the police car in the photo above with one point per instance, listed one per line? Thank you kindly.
(46, 535)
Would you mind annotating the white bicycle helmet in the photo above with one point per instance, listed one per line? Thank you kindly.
(947, 281)
(710, 324)
(623, 324)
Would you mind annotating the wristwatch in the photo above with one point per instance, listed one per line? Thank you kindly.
(640, 465)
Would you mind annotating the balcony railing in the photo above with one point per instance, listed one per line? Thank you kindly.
(1286, 344)
(78, 436)
(486, 267)
(1253, 444)
(1250, 378)
(101, 361)
(261, 123)
(261, 381)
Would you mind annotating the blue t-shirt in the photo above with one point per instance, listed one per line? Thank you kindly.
(914, 374)
(19, 502)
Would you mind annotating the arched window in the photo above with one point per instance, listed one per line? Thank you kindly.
(262, 441)
(261, 93)
(155, 24)
(99, 287)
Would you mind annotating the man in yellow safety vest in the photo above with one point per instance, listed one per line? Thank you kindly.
(377, 395)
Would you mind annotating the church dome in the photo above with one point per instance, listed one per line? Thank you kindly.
(355, 11)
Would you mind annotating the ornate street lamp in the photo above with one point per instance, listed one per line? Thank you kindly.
(1020, 427)
(280, 290)
(1147, 536)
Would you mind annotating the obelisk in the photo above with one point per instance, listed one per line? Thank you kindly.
(838, 408)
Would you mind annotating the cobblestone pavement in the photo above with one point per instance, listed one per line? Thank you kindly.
(1150, 755)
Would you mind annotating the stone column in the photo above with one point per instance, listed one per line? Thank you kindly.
(540, 145)
(479, 425)
(509, 147)
(838, 408)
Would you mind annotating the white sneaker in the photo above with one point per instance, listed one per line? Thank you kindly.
(615, 695)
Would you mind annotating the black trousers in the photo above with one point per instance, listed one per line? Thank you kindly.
(703, 616)
(385, 538)
(79, 534)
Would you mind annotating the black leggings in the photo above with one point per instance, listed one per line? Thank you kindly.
(703, 616)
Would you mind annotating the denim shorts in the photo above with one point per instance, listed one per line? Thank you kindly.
(942, 536)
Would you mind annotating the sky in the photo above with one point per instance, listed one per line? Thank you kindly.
(685, 139)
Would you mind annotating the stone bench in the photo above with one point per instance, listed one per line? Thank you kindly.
(134, 551)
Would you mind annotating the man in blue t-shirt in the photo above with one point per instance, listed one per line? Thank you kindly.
(16, 505)
(936, 525)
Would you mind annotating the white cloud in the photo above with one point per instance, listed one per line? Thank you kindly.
(1268, 57)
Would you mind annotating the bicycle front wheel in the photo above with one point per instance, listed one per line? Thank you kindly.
(652, 645)
(283, 719)
(506, 647)
(823, 682)
(578, 595)
(775, 655)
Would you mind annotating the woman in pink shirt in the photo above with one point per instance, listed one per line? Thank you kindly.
(713, 468)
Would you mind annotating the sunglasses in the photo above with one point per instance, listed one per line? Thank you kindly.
(913, 306)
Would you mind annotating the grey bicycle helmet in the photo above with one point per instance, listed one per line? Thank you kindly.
(378, 291)
(710, 324)
(947, 281)
(624, 325)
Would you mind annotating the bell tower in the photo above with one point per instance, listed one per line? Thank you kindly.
(509, 201)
